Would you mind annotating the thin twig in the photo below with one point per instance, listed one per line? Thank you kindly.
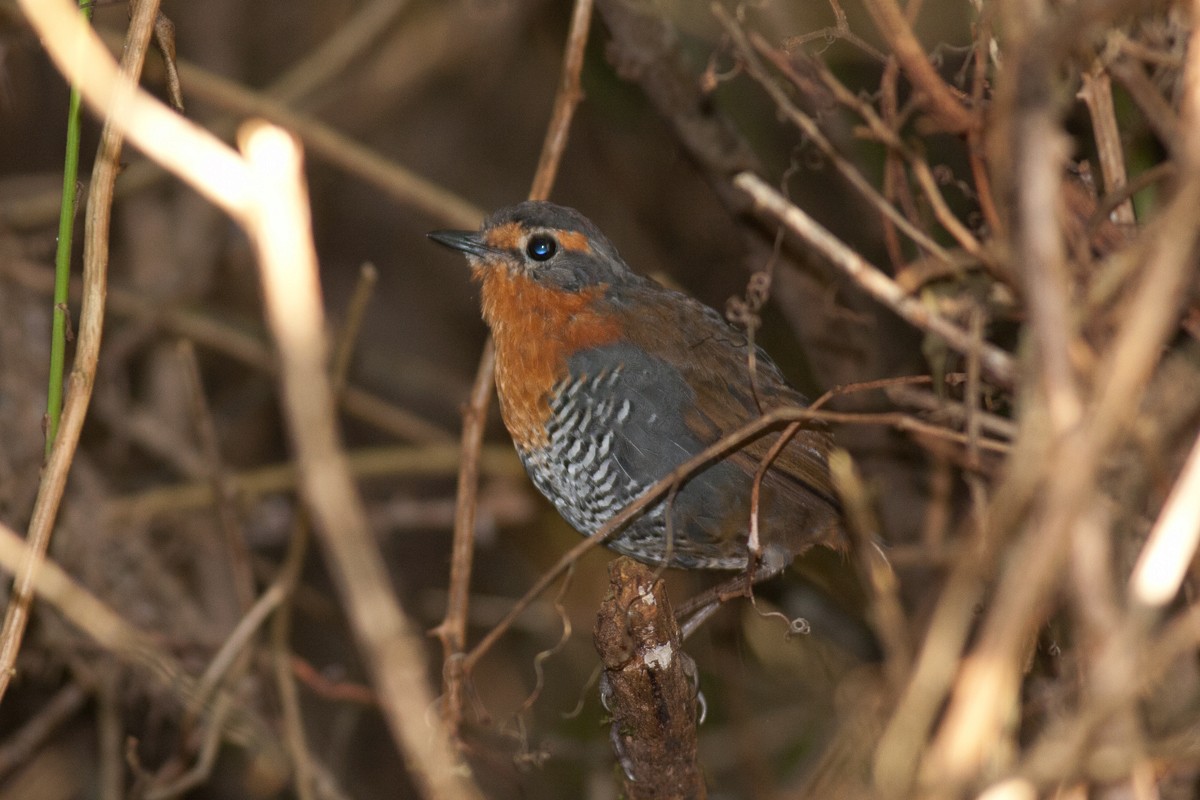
(232, 660)
(392, 461)
(242, 577)
(210, 167)
(839, 30)
(1112, 200)
(673, 479)
(369, 23)
(880, 383)
(887, 614)
(566, 100)
(347, 339)
(814, 133)
(237, 641)
(975, 137)
(1096, 93)
(1066, 741)
(91, 319)
(281, 229)
(164, 40)
(305, 769)
(114, 634)
(233, 340)
(202, 768)
(904, 738)
(943, 103)
(319, 66)
(1159, 114)
(293, 563)
(966, 240)
(894, 183)
(989, 684)
(945, 410)
(335, 147)
(111, 735)
(20, 745)
(265, 193)
(996, 362)
(452, 630)
(281, 662)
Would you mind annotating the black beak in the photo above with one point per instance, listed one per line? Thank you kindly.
(469, 242)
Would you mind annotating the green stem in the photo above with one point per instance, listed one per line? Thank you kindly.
(62, 263)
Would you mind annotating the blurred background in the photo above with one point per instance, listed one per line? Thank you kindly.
(458, 92)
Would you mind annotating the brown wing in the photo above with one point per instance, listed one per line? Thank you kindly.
(729, 399)
(712, 359)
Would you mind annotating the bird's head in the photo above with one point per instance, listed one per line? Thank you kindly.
(552, 245)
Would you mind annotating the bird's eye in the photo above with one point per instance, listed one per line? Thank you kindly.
(541, 248)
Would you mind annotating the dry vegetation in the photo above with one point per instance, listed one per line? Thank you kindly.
(976, 220)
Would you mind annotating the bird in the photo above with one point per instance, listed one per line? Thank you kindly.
(607, 381)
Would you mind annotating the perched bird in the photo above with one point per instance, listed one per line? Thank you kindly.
(608, 381)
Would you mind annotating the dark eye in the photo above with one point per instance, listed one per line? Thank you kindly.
(541, 248)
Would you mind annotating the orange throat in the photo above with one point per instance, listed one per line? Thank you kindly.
(536, 330)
